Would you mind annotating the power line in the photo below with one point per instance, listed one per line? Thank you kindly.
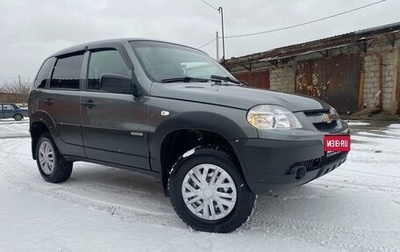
(220, 11)
(212, 6)
(306, 23)
(291, 26)
(206, 44)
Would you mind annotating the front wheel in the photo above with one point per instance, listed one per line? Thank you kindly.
(208, 192)
(52, 165)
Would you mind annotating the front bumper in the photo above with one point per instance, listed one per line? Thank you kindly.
(270, 166)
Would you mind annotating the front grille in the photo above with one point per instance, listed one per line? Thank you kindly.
(315, 113)
(317, 119)
(326, 127)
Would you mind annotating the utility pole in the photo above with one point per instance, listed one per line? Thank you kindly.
(221, 11)
(217, 39)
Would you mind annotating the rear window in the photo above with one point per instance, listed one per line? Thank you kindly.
(67, 72)
(44, 73)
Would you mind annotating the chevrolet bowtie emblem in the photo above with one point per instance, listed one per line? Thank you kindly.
(327, 118)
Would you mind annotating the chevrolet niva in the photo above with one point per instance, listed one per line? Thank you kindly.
(173, 112)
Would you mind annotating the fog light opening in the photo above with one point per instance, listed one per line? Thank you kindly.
(300, 173)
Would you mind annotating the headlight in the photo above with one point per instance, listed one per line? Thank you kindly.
(334, 114)
(272, 117)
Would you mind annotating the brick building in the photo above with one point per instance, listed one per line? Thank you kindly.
(13, 97)
(351, 71)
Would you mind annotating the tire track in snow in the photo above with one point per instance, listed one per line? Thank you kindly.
(346, 182)
(129, 203)
(14, 129)
(331, 236)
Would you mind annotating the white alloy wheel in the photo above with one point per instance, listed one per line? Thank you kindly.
(52, 165)
(209, 192)
(46, 157)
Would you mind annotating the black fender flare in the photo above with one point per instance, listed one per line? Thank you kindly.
(207, 121)
(43, 118)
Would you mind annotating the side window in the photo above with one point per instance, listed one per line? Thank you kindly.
(8, 107)
(67, 72)
(107, 61)
(44, 73)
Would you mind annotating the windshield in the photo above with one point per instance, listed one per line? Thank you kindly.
(164, 61)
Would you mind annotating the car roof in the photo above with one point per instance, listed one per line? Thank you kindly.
(84, 46)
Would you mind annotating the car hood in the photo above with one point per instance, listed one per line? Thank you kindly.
(241, 97)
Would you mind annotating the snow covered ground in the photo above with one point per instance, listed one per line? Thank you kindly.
(354, 208)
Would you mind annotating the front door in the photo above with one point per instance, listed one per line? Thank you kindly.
(114, 125)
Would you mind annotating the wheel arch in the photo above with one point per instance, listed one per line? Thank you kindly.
(40, 123)
(179, 134)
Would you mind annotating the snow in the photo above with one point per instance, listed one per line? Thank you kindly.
(354, 208)
(358, 123)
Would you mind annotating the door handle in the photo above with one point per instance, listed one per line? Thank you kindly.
(89, 104)
(48, 102)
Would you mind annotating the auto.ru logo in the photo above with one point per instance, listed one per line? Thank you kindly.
(337, 143)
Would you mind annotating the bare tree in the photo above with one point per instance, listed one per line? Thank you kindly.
(19, 88)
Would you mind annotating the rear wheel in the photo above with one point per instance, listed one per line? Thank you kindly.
(18, 117)
(52, 165)
(208, 192)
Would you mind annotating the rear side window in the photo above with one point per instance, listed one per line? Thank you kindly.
(67, 72)
(44, 73)
(8, 107)
(105, 61)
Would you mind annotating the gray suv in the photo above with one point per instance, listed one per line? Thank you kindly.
(173, 112)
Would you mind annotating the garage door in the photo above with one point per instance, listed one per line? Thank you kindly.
(335, 80)
(258, 79)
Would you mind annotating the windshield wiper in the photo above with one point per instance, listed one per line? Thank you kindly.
(184, 79)
(214, 78)
(225, 78)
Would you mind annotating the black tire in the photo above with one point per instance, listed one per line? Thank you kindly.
(52, 165)
(199, 201)
(18, 117)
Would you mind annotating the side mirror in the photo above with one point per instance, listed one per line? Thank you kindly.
(116, 83)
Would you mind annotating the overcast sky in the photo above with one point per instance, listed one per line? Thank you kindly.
(31, 30)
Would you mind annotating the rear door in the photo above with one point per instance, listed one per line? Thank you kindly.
(114, 125)
(61, 101)
(8, 110)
